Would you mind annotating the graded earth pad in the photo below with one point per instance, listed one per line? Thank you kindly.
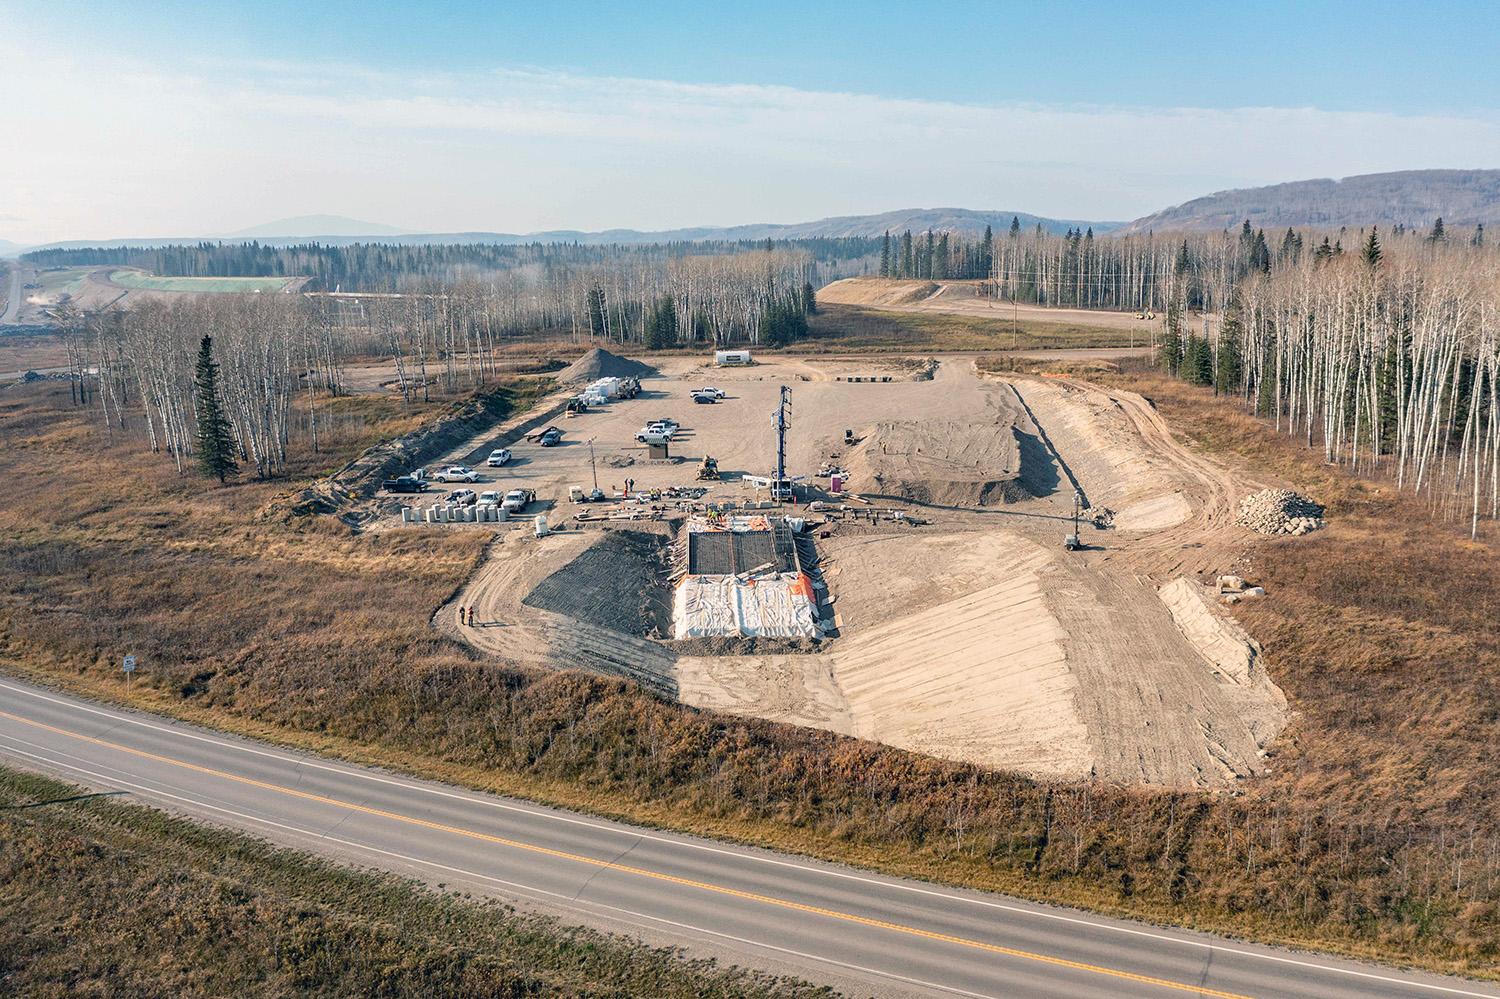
(973, 637)
(600, 363)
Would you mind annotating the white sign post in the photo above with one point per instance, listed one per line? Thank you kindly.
(129, 668)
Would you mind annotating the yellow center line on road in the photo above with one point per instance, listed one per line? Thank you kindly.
(643, 872)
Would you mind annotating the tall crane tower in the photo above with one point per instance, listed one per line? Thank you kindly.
(780, 486)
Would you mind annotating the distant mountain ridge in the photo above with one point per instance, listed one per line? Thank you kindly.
(964, 221)
(1412, 198)
(312, 226)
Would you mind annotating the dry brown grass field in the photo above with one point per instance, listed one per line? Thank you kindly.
(1375, 834)
(108, 898)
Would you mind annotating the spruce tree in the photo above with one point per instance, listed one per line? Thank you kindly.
(1478, 239)
(216, 445)
(1171, 341)
(661, 325)
(1372, 251)
(1229, 365)
(1439, 234)
(1015, 226)
(986, 253)
(809, 298)
(885, 255)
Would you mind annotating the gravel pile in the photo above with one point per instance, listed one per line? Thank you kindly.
(1280, 511)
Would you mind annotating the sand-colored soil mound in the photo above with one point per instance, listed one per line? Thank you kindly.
(941, 462)
(600, 363)
(876, 292)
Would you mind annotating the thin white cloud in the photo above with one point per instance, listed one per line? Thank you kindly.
(107, 147)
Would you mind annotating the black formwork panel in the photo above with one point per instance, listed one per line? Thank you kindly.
(725, 553)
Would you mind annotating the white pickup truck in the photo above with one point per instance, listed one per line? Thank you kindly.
(517, 500)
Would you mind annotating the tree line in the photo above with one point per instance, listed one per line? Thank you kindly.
(394, 267)
(1385, 355)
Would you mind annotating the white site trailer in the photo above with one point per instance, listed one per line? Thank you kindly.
(728, 357)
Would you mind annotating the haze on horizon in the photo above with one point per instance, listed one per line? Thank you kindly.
(175, 121)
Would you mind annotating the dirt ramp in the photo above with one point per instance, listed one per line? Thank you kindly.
(615, 583)
(943, 463)
(600, 363)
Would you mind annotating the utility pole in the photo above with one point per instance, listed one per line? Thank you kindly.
(593, 467)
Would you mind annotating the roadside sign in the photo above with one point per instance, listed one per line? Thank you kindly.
(130, 664)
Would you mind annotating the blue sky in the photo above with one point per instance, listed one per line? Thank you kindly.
(529, 116)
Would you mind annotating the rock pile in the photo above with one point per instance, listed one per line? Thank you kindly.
(1280, 511)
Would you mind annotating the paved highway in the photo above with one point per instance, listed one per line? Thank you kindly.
(858, 931)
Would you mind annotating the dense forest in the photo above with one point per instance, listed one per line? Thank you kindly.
(393, 267)
(1385, 355)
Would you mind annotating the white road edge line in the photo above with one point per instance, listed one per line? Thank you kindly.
(513, 885)
(413, 784)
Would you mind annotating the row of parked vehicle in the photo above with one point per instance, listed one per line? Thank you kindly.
(515, 501)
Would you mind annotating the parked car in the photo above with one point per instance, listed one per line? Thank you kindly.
(498, 457)
(403, 484)
(654, 433)
(490, 496)
(717, 393)
(462, 497)
(457, 473)
(705, 397)
(549, 437)
(517, 500)
(668, 422)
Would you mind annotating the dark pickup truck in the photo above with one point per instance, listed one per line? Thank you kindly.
(404, 484)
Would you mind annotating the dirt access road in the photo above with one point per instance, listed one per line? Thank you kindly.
(963, 298)
(975, 637)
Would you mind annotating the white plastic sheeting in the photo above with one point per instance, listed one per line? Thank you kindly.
(776, 606)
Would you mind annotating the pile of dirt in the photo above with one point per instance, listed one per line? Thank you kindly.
(615, 583)
(600, 363)
(1280, 511)
(941, 462)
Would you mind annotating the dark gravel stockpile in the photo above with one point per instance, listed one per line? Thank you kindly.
(600, 363)
(616, 583)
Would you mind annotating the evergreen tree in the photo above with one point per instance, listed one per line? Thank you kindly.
(216, 444)
(809, 298)
(1372, 251)
(1478, 239)
(1171, 341)
(661, 325)
(1197, 362)
(1392, 384)
(1015, 226)
(906, 258)
(1184, 262)
(1323, 253)
(1229, 366)
(595, 297)
(1260, 253)
(940, 262)
(1439, 234)
(987, 253)
(885, 255)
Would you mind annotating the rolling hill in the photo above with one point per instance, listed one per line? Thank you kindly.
(1408, 197)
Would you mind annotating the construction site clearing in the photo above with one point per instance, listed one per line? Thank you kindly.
(920, 588)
